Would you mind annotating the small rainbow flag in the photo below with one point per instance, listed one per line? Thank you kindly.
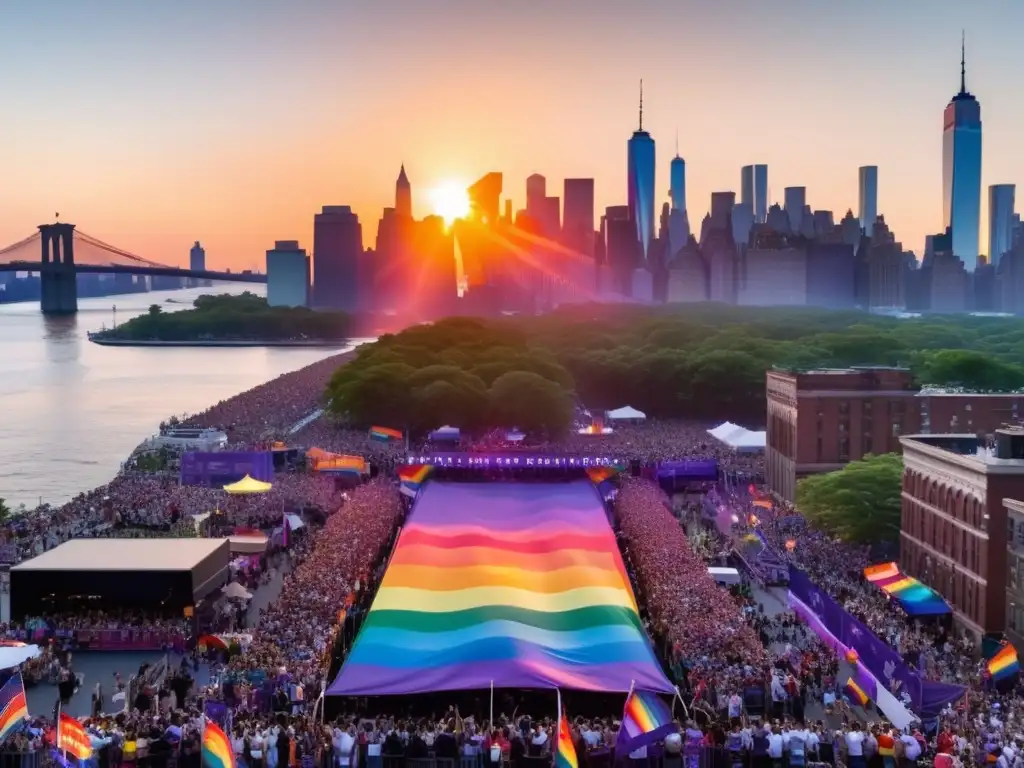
(645, 720)
(216, 748)
(385, 434)
(1004, 663)
(856, 693)
(412, 477)
(598, 475)
(565, 750)
(13, 709)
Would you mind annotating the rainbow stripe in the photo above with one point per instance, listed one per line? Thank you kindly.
(856, 693)
(1004, 663)
(565, 750)
(216, 748)
(516, 584)
(645, 720)
(385, 434)
(15, 709)
(913, 596)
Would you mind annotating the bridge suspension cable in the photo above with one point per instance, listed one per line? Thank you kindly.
(113, 249)
(19, 244)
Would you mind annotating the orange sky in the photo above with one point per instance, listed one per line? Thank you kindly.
(151, 126)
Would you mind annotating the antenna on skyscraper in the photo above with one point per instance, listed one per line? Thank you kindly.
(641, 104)
(677, 142)
(963, 62)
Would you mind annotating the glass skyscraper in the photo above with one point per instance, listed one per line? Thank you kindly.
(868, 204)
(1000, 221)
(961, 171)
(677, 183)
(640, 172)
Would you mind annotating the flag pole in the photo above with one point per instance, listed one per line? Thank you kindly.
(490, 720)
(679, 696)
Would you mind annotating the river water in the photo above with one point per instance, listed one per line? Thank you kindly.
(72, 411)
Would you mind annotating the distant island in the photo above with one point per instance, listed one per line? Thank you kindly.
(243, 320)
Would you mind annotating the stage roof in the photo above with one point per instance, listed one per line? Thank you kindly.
(124, 555)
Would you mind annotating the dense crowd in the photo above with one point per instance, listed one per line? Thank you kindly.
(272, 408)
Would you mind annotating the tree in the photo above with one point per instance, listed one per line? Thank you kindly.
(858, 503)
(154, 310)
(377, 395)
(971, 370)
(5, 511)
(531, 402)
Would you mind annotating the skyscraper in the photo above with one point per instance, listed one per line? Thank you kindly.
(1001, 221)
(760, 193)
(536, 191)
(754, 190)
(868, 209)
(403, 195)
(287, 275)
(578, 215)
(339, 280)
(795, 202)
(197, 258)
(961, 170)
(677, 181)
(640, 171)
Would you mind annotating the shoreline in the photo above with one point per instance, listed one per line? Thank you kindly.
(299, 344)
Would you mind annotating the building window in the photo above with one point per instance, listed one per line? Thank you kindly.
(844, 407)
(896, 429)
(1011, 526)
(844, 447)
(1020, 533)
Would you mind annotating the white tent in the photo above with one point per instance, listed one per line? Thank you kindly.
(236, 591)
(738, 438)
(626, 413)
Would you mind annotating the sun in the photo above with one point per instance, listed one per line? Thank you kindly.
(450, 201)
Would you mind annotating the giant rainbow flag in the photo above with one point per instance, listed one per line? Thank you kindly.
(516, 584)
(914, 597)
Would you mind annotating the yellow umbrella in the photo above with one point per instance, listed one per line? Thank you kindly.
(248, 485)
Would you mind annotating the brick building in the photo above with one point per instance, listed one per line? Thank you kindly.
(953, 531)
(1015, 571)
(819, 420)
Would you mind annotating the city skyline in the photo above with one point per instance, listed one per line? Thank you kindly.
(238, 136)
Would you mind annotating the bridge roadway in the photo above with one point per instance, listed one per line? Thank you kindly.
(39, 267)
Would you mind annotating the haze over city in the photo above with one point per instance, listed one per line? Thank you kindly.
(152, 127)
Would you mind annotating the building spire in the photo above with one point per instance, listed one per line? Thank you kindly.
(641, 105)
(677, 142)
(963, 62)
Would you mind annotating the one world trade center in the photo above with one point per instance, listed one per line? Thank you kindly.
(640, 170)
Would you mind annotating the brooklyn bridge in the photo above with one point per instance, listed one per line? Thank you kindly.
(59, 251)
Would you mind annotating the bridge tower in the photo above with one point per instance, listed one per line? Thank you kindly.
(57, 275)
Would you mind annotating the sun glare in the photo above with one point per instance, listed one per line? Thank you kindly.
(450, 201)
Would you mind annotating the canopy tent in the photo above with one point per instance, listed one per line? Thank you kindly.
(445, 433)
(248, 485)
(739, 438)
(515, 436)
(626, 413)
(248, 543)
(236, 591)
(17, 654)
(914, 597)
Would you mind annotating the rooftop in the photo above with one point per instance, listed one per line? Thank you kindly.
(968, 450)
(124, 555)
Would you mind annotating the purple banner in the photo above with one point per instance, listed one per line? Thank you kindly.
(215, 469)
(839, 629)
(702, 469)
(513, 459)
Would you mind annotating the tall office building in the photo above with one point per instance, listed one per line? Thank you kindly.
(961, 171)
(1001, 221)
(197, 258)
(578, 215)
(338, 261)
(677, 182)
(640, 172)
(795, 202)
(287, 275)
(868, 210)
(536, 191)
(754, 190)
(403, 195)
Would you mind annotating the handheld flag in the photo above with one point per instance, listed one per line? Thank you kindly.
(1004, 663)
(384, 434)
(565, 750)
(856, 693)
(13, 709)
(645, 720)
(72, 738)
(216, 748)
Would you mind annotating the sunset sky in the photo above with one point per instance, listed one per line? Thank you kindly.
(152, 123)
